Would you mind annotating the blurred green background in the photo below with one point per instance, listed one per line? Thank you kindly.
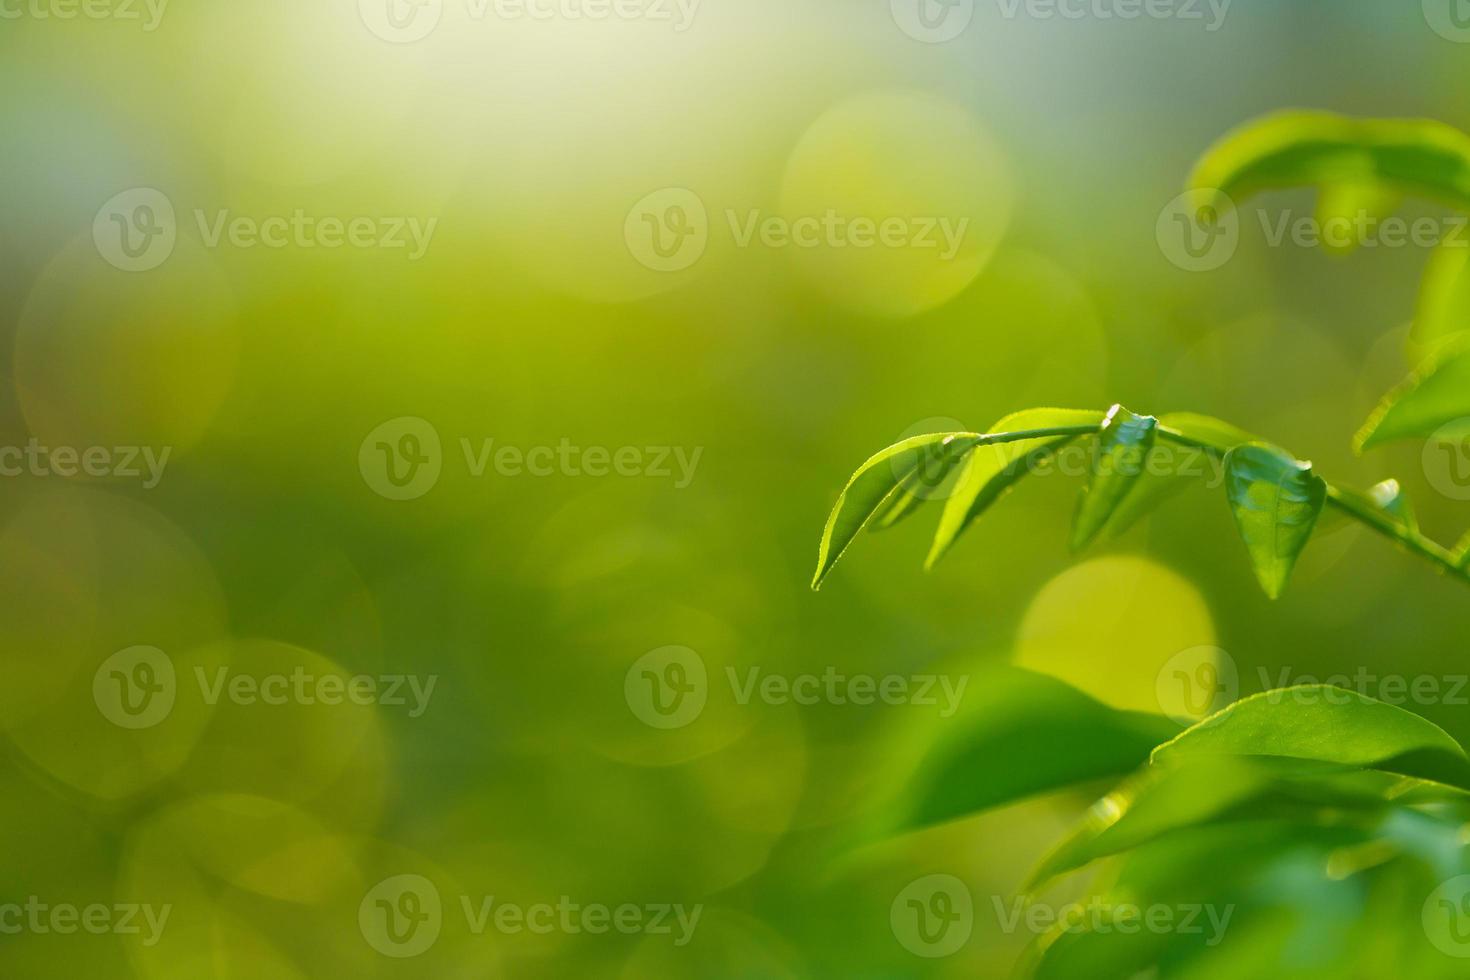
(532, 318)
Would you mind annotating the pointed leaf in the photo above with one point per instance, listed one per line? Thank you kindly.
(1294, 149)
(1326, 724)
(1429, 400)
(872, 484)
(923, 483)
(1276, 501)
(1123, 447)
(992, 470)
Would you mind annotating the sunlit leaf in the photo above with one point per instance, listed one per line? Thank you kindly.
(1123, 447)
(1276, 501)
(992, 470)
(1300, 148)
(871, 485)
(1432, 398)
(1443, 309)
(1348, 211)
(924, 482)
(1325, 724)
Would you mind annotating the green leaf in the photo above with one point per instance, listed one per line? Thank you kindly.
(1172, 464)
(1428, 401)
(922, 484)
(1296, 148)
(990, 471)
(1022, 734)
(1149, 804)
(1276, 501)
(1325, 724)
(1123, 447)
(1348, 212)
(1212, 432)
(1165, 799)
(1443, 309)
(871, 485)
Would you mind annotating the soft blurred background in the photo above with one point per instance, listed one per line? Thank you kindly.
(537, 317)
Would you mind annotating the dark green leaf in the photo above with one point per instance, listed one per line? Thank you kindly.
(1023, 734)
(1276, 501)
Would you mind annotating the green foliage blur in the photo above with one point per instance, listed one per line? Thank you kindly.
(414, 459)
